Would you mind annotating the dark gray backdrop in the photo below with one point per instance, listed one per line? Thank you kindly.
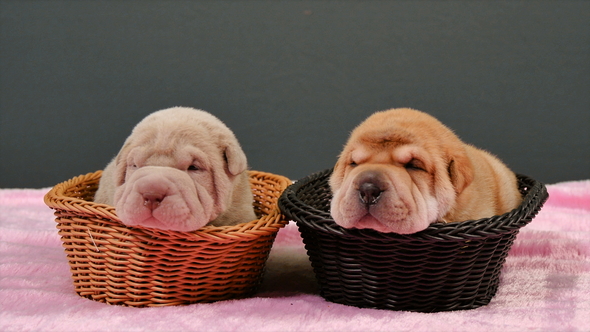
(292, 78)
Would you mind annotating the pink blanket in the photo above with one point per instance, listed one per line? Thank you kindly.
(545, 283)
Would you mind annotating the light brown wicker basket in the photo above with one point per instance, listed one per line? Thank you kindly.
(141, 267)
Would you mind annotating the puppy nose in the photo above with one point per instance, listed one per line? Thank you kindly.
(151, 200)
(369, 193)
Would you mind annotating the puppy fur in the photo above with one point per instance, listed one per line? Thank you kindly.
(402, 170)
(180, 169)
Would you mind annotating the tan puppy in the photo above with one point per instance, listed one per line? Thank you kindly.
(180, 169)
(402, 170)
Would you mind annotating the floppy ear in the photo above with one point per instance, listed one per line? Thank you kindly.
(335, 180)
(460, 171)
(121, 165)
(235, 158)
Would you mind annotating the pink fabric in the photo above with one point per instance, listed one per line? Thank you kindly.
(545, 283)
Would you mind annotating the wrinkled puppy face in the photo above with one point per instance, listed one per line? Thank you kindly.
(176, 171)
(399, 172)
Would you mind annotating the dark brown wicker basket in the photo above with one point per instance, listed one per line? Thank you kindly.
(139, 267)
(453, 266)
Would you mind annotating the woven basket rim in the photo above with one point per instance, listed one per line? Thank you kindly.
(56, 199)
(534, 196)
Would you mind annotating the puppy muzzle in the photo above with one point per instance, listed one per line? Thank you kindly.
(369, 193)
(369, 187)
(152, 200)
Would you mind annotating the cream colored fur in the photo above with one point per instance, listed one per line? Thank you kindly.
(180, 169)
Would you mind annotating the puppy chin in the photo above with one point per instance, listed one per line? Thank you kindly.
(399, 227)
(371, 222)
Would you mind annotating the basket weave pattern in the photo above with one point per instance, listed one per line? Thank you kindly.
(451, 266)
(141, 266)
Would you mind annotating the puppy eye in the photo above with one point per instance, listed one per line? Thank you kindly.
(353, 164)
(192, 168)
(415, 165)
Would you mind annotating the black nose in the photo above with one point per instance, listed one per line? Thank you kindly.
(369, 193)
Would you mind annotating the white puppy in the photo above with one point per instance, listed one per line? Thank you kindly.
(180, 169)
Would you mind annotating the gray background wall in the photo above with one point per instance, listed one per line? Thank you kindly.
(292, 78)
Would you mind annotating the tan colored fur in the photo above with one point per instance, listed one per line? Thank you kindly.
(426, 173)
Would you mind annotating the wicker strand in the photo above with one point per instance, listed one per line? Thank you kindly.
(449, 266)
(138, 266)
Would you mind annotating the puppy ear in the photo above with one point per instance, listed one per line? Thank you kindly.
(121, 165)
(235, 159)
(335, 180)
(460, 171)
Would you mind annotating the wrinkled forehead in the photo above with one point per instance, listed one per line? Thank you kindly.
(382, 138)
(388, 145)
(401, 153)
(379, 139)
(163, 133)
(173, 145)
(180, 156)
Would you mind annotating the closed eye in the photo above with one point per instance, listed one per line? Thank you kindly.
(193, 168)
(415, 165)
(353, 164)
